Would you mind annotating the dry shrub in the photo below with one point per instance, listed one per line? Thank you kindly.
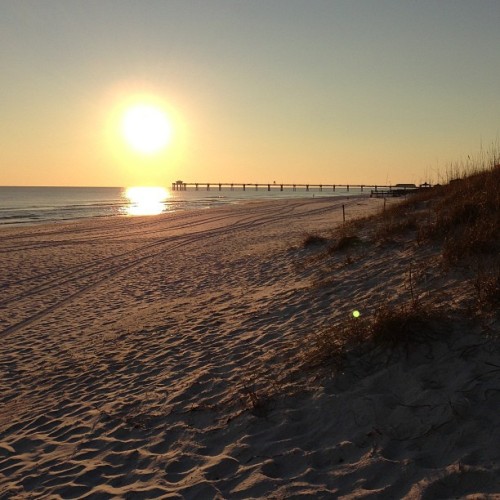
(468, 241)
(487, 287)
(256, 403)
(462, 216)
(491, 291)
(312, 240)
(345, 242)
(467, 217)
(393, 226)
(401, 326)
(392, 328)
(346, 236)
(333, 343)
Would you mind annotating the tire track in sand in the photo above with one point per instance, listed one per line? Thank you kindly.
(269, 215)
(93, 266)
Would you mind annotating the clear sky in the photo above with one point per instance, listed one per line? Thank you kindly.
(318, 91)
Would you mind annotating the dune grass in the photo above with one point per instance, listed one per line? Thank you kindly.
(391, 328)
(313, 240)
(461, 220)
(462, 216)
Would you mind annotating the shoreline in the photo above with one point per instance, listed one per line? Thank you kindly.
(70, 204)
(157, 356)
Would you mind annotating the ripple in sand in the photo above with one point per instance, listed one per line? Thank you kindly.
(224, 468)
(177, 468)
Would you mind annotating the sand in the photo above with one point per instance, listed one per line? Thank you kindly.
(160, 357)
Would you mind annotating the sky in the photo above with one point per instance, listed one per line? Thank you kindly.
(293, 91)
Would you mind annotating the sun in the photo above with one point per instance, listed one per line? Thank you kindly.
(146, 128)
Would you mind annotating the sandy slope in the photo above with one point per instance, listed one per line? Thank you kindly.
(157, 357)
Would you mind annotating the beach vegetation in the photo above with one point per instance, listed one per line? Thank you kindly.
(257, 402)
(395, 223)
(463, 217)
(391, 328)
(346, 236)
(333, 343)
(314, 240)
(449, 236)
(345, 242)
(402, 325)
(486, 284)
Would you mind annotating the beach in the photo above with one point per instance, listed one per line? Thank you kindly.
(161, 357)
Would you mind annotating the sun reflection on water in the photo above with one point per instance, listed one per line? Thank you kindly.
(146, 200)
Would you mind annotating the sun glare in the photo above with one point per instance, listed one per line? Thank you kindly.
(146, 200)
(146, 128)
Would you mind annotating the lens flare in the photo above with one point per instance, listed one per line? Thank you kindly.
(356, 314)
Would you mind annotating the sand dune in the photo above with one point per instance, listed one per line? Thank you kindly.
(160, 358)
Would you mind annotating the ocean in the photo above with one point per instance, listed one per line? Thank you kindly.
(35, 205)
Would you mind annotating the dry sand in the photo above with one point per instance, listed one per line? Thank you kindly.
(157, 357)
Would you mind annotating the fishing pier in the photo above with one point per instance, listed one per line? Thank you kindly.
(375, 190)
